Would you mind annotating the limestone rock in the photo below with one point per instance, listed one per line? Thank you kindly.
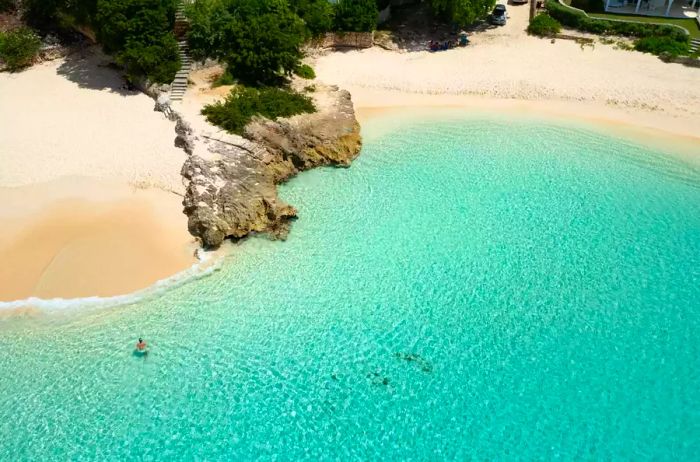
(232, 180)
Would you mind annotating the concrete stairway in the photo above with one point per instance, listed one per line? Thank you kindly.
(179, 85)
(694, 45)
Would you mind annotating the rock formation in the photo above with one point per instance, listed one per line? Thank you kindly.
(232, 188)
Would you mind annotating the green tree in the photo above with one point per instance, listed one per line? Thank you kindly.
(356, 15)
(259, 40)
(462, 12)
(139, 34)
(318, 15)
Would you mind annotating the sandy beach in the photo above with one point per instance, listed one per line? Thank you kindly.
(90, 184)
(505, 69)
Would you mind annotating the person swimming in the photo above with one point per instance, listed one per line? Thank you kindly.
(141, 345)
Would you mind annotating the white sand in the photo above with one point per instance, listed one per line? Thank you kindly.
(70, 117)
(90, 185)
(506, 64)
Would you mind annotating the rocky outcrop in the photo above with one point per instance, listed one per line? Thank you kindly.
(232, 188)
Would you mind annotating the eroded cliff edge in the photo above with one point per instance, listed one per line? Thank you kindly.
(232, 180)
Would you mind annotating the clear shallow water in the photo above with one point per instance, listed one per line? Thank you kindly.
(489, 289)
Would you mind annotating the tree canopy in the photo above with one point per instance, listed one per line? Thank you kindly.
(139, 33)
(318, 15)
(356, 15)
(462, 12)
(260, 40)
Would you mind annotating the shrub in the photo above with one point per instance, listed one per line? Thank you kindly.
(19, 47)
(662, 45)
(224, 79)
(305, 72)
(544, 26)
(356, 15)
(159, 61)
(239, 107)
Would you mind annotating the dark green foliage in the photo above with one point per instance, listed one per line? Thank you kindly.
(462, 12)
(7, 5)
(576, 20)
(382, 4)
(318, 15)
(662, 46)
(544, 26)
(19, 47)
(305, 72)
(259, 40)
(244, 102)
(589, 6)
(41, 13)
(356, 15)
(139, 34)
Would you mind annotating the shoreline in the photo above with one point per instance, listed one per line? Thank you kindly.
(656, 130)
(86, 238)
(91, 185)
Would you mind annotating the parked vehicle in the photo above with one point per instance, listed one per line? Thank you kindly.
(499, 15)
(516, 2)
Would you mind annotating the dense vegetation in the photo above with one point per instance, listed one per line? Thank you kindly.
(544, 26)
(19, 47)
(654, 38)
(137, 32)
(7, 5)
(259, 40)
(356, 15)
(234, 113)
(318, 15)
(462, 12)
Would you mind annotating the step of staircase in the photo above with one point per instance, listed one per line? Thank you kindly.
(694, 45)
(178, 87)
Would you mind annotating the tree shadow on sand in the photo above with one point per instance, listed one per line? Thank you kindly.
(95, 71)
(412, 27)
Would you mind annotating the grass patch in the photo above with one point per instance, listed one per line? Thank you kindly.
(243, 103)
(689, 24)
(660, 39)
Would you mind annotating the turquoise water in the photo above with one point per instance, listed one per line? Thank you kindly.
(477, 288)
